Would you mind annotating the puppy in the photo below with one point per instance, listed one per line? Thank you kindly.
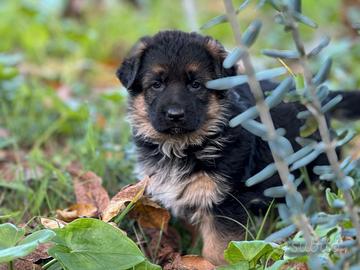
(197, 163)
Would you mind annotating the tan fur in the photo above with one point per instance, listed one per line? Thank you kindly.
(139, 48)
(156, 70)
(215, 49)
(138, 117)
(213, 243)
(175, 190)
(193, 67)
(175, 144)
(202, 191)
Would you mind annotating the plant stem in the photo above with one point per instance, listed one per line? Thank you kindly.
(11, 265)
(315, 108)
(48, 264)
(302, 221)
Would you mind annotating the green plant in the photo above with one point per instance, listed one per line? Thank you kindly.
(13, 245)
(84, 243)
(93, 244)
(309, 245)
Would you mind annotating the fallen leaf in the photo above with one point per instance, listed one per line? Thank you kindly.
(150, 215)
(75, 168)
(13, 165)
(295, 266)
(130, 193)
(40, 253)
(21, 265)
(4, 133)
(8, 171)
(196, 262)
(3, 155)
(89, 190)
(75, 211)
(189, 262)
(101, 121)
(173, 262)
(162, 247)
(52, 223)
(18, 156)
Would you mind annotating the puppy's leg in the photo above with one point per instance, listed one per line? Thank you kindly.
(215, 240)
(214, 244)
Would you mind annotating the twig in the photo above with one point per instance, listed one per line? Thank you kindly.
(191, 16)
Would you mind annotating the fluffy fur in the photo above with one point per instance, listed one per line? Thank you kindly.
(197, 163)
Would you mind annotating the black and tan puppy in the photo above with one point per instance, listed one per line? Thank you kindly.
(197, 163)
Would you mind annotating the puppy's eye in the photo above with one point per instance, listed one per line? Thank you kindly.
(157, 85)
(195, 85)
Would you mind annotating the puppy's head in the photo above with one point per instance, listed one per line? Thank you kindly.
(165, 76)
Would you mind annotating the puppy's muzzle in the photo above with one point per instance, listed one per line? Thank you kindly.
(175, 114)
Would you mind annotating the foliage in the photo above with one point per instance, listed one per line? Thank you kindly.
(311, 244)
(93, 244)
(60, 106)
(13, 244)
(252, 252)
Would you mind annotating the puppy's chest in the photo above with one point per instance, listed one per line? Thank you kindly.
(182, 190)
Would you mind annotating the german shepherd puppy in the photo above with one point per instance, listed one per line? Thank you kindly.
(197, 163)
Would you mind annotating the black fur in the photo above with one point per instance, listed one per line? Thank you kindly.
(240, 153)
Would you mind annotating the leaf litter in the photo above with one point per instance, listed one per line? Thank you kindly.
(159, 241)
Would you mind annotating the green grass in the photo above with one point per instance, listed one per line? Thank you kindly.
(61, 104)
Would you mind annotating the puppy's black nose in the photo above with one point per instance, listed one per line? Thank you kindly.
(175, 114)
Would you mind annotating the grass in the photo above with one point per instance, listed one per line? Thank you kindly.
(61, 105)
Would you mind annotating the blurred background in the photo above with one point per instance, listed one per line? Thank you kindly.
(61, 104)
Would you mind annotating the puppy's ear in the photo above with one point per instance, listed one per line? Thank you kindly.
(129, 68)
(218, 52)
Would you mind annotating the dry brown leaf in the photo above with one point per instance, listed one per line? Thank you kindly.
(8, 171)
(75, 211)
(100, 121)
(40, 253)
(89, 190)
(13, 156)
(190, 262)
(52, 223)
(4, 133)
(3, 155)
(195, 262)
(162, 247)
(21, 265)
(150, 215)
(125, 195)
(295, 266)
(172, 262)
(14, 165)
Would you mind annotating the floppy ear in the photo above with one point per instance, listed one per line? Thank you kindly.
(218, 52)
(129, 68)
